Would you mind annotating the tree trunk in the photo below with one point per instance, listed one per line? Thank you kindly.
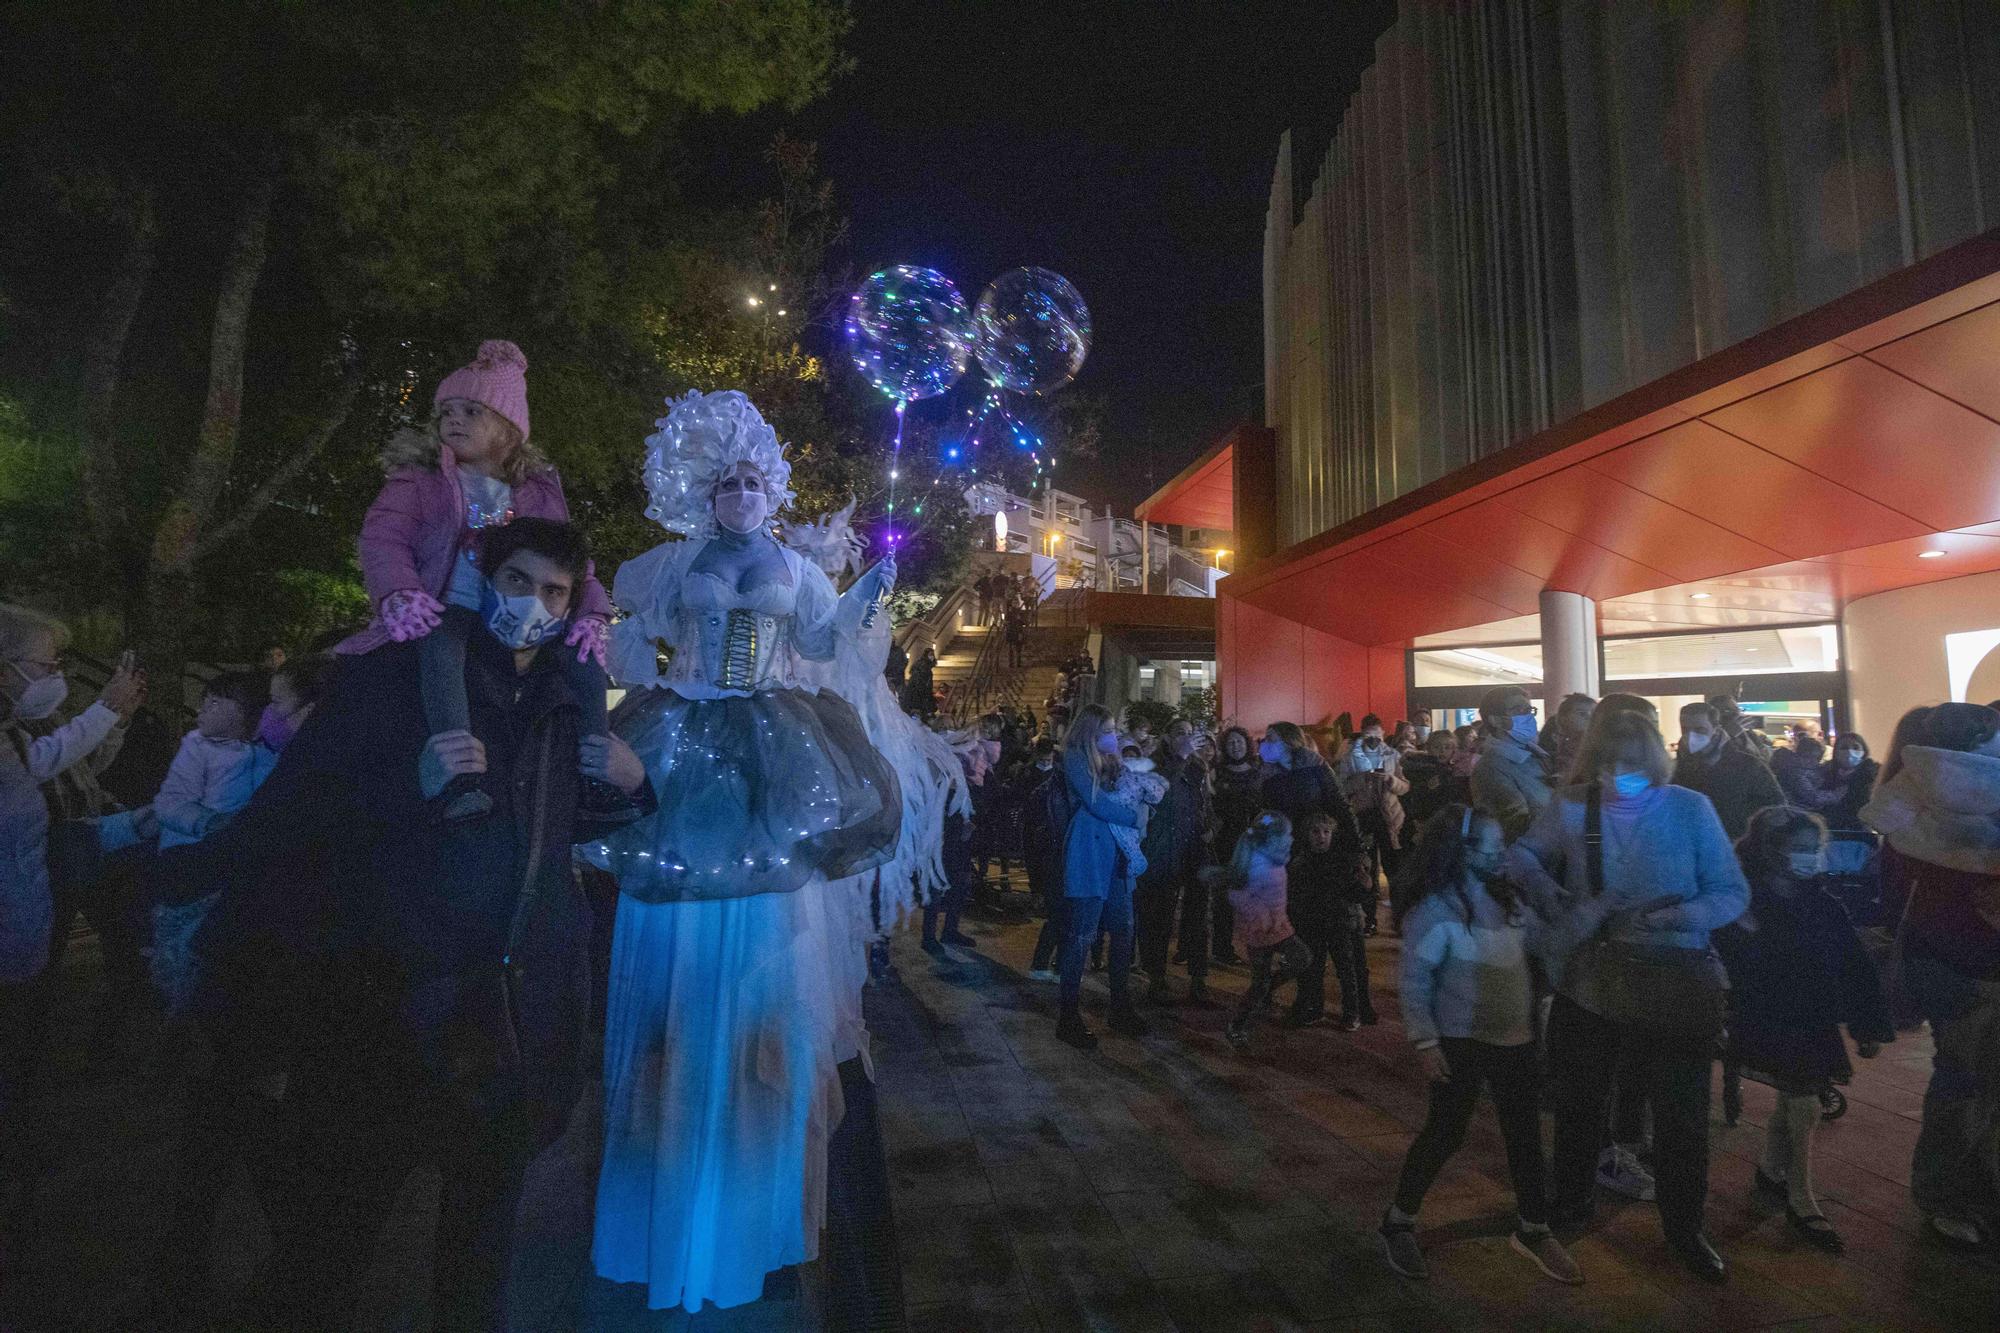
(168, 587)
(207, 471)
(103, 479)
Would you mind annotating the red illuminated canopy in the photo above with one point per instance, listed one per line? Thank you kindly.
(1850, 451)
(1203, 495)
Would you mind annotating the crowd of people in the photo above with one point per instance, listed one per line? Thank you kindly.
(356, 877)
(1588, 924)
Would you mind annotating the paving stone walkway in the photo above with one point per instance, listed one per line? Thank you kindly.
(1171, 1183)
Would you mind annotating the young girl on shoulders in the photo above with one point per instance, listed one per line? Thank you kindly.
(472, 468)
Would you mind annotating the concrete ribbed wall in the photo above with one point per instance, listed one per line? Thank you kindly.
(1532, 206)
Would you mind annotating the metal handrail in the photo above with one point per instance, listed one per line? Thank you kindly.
(971, 697)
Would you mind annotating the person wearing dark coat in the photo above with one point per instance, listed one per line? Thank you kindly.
(1797, 971)
(1300, 784)
(1238, 789)
(1846, 782)
(920, 693)
(1735, 782)
(426, 986)
(1174, 851)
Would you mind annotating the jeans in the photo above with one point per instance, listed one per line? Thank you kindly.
(1515, 1077)
(441, 668)
(1271, 966)
(1952, 1172)
(1586, 1053)
(1048, 887)
(1114, 912)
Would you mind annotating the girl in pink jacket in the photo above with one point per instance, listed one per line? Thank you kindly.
(472, 468)
(1255, 879)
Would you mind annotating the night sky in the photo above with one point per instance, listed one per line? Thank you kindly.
(1127, 146)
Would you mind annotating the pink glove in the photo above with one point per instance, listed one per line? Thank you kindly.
(410, 614)
(588, 636)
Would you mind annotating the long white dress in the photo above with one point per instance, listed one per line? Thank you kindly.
(734, 954)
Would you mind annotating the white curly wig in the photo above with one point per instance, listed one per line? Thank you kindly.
(703, 436)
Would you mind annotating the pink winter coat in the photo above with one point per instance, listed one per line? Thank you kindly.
(1261, 919)
(411, 537)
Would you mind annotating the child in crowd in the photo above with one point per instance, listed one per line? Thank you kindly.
(473, 468)
(1468, 1007)
(214, 773)
(1796, 972)
(1313, 904)
(1255, 881)
(1328, 908)
(1133, 783)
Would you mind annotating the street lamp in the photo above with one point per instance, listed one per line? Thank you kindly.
(1220, 551)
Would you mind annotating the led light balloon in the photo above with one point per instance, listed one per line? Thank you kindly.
(910, 332)
(1031, 331)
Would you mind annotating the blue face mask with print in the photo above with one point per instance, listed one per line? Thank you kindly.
(518, 622)
(1631, 786)
(1522, 728)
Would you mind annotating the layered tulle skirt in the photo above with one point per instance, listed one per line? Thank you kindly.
(756, 795)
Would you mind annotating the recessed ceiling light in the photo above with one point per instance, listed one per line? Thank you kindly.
(1753, 650)
(1930, 555)
(1701, 596)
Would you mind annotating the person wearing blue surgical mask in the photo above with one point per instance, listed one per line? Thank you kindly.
(1515, 776)
(1631, 875)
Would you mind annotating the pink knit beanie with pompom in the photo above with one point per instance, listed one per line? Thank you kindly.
(497, 378)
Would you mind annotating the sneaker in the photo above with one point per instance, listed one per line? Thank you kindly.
(1197, 994)
(1400, 1248)
(1070, 1028)
(1043, 974)
(1954, 1232)
(959, 938)
(1545, 1252)
(1160, 991)
(1298, 1020)
(1125, 1021)
(1349, 1023)
(1619, 1171)
(933, 948)
(1238, 1034)
(1369, 1018)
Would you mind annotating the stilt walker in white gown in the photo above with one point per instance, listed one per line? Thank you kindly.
(733, 956)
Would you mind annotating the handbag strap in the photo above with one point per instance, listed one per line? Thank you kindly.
(1593, 838)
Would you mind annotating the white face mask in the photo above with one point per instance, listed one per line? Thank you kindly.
(518, 622)
(1421, 732)
(1271, 752)
(1695, 742)
(1849, 758)
(1107, 741)
(42, 697)
(742, 512)
(1806, 865)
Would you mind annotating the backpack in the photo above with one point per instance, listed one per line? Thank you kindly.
(1045, 818)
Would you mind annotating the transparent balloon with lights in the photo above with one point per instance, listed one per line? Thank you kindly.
(1031, 331)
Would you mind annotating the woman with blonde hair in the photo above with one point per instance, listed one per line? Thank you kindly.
(1631, 874)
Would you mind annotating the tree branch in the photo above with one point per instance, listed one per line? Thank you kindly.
(287, 472)
(103, 357)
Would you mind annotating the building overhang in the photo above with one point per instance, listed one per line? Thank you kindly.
(1849, 451)
(1202, 495)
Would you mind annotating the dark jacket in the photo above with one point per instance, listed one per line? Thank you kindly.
(1839, 797)
(1174, 845)
(1792, 981)
(1797, 772)
(1318, 885)
(1239, 795)
(338, 882)
(1309, 786)
(1432, 786)
(1736, 784)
